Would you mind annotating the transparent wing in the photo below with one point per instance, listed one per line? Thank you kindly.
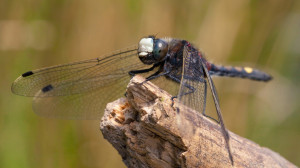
(193, 86)
(192, 92)
(87, 105)
(218, 109)
(77, 77)
(78, 90)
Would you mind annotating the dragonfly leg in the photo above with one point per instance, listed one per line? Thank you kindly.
(134, 72)
(191, 89)
(153, 76)
(174, 97)
(156, 75)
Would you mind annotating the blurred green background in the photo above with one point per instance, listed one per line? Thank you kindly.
(39, 33)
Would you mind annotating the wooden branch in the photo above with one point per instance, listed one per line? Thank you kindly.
(147, 132)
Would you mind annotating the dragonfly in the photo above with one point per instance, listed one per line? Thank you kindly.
(80, 90)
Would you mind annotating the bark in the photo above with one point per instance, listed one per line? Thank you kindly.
(148, 132)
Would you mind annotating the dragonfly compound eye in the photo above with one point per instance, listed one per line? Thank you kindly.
(160, 49)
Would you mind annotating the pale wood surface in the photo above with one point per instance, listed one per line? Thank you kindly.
(147, 132)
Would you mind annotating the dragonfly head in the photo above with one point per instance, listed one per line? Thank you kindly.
(152, 50)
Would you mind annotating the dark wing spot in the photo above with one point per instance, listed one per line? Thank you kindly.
(47, 88)
(27, 74)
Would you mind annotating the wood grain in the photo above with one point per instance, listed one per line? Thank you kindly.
(148, 132)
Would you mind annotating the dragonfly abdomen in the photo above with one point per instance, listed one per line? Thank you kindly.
(240, 72)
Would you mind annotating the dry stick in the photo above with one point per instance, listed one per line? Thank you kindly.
(144, 130)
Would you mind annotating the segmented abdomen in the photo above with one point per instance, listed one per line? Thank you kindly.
(240, 72)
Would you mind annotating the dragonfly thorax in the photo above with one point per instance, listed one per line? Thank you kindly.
(152, 50)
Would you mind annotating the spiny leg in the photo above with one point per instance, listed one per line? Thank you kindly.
(134, 72)
(156, 75)
(191, 90)
(176, 80)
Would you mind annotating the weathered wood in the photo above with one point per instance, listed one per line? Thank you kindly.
(147, 132)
